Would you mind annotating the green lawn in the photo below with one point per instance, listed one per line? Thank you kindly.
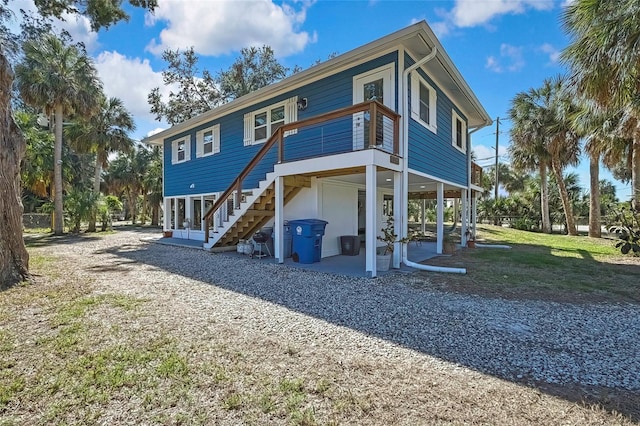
(540, 266)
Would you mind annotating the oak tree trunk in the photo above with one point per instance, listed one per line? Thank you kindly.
(595, 229)
(566, 202)
(544, 199)
(14, 259)
(635, 172)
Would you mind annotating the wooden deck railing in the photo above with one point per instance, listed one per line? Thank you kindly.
(476, 174)
(377, 114)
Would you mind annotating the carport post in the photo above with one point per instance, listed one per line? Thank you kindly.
(371, 219)
(278, 226)
(440, 216)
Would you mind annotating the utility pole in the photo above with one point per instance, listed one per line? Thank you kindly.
(497, 139)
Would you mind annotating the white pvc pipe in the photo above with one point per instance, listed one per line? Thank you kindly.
(497, 246)
(432, 268)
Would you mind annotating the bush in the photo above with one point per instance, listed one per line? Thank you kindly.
(627, 228)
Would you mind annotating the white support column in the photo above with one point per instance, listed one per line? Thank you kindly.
(399, 221)
(423, 210)
(474, 214)
(176, 225)
(464, 218)
(278, 225)
(167, 213)
(371, 209)
(440, 216)
(202, 212)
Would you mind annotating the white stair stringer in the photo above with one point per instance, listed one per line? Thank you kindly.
(214, 237)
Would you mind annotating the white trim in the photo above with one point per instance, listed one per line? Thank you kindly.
(187, 149)
(416, 81)
(463, 132)
(215, 142)
(290, 114)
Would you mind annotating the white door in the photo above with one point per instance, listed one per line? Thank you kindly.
(377, 85)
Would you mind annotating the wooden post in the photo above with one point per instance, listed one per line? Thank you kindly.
(280, 145)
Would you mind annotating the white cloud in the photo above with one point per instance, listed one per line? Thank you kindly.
(80, 29)
(469, 13)
(486, 155)
(554, 54)
(77, 26)
(155, 131)
(131, 80)
(511, 59)
(223, 26)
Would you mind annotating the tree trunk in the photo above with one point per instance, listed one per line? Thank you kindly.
(155, 214)
(14, 259)
(595, 228)
(58, 218)
(566, 202)
(96, 190)
(635, 172)
(544, 199)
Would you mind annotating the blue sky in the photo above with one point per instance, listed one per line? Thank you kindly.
(501, 47)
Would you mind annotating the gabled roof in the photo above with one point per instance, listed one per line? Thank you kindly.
(418, 39)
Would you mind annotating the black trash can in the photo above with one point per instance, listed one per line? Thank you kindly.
(350, 245)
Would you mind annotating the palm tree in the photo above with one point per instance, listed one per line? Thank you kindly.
(60, 79)
(563, 141)
(103, 133)
(528, 149)
(543, 135)
(604, 56)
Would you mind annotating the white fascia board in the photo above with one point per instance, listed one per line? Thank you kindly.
(347, 60)
(338, 161)
(455, 74)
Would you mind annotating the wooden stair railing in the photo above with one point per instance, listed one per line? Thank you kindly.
(374, 107)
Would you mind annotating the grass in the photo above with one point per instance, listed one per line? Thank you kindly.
(546, 267)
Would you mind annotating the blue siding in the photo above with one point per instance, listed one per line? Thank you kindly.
(215, 173)
(431, 153)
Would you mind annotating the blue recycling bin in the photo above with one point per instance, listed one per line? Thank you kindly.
(307, 239)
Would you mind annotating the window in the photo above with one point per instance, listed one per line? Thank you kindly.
(423, 102)
(208, 141)
(458, 132)
(180, 150)
(260, 125)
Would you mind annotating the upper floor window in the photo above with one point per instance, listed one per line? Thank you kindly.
(180, 150)
(458, 132)
(208, 141)
(260, 125)
(424, 100)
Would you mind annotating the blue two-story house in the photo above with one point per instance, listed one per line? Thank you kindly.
(348, 141)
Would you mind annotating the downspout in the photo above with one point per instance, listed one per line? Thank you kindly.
(469, 197)
(405, 170)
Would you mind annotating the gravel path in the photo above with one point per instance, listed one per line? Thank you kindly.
(590, 345)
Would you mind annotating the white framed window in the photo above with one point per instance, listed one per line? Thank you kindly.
(261, 124)
(458, 132)
(424, 101)
(180, 150)
(208, 141)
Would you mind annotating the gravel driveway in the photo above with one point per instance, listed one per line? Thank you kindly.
(592, 345)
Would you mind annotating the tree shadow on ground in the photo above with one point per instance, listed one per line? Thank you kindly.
(485, 334)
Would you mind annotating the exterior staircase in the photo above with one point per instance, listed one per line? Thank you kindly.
(254, 211)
